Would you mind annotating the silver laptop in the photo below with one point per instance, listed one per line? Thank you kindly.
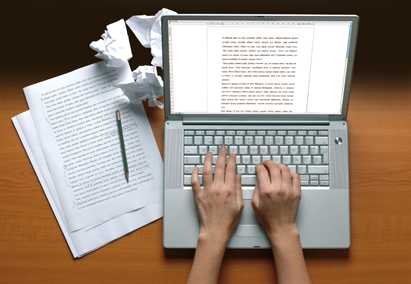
(268, 87)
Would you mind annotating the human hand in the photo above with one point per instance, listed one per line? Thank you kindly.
(220, 203)
(276, 198)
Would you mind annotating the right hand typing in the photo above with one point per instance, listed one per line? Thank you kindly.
(276, 198)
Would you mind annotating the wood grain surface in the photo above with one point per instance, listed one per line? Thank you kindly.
(42, 40)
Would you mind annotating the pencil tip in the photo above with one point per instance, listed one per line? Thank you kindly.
(127, 177)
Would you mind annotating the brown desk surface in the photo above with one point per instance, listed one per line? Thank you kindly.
(44, 40)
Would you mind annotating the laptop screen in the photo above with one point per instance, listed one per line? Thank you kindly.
(257, 67)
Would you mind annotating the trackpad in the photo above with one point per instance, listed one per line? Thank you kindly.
(249, 225)
(250, 231)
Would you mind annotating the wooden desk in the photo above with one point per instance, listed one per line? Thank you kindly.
(32, 247)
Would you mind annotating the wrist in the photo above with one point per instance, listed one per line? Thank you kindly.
(284, 234)
(217, 239)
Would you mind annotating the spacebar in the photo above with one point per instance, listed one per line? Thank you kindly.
(249, 180)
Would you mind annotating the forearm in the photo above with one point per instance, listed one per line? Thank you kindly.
(289, 258)
(207, 261)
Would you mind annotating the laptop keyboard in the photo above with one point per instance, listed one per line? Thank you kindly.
(305, 152)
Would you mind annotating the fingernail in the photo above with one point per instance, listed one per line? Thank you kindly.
(209, 154)
(222, 147)
(232, 154)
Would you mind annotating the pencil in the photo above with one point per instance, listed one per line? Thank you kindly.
(123, 147)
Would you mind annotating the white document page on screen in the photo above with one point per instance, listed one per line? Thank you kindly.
(259, 69)
(74, 115)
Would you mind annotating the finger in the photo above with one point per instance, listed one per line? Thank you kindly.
(263, 178)
(208, 169)
(296, 184)
(256, 196)
(285, 176)
(274, 171)
(238, 189)
(230, 171)
(195, 184)
(220, 165)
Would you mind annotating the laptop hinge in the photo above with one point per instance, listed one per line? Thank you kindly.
(254, 122)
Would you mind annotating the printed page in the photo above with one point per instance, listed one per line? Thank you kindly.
(259, 70)
(90, 238)
(75, 116)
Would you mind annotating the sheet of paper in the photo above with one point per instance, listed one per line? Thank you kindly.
(148, 31)
(90, 238)
(148, 86)
(114, 48)
(75, 114)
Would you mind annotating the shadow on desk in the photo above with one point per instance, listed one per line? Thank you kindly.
(258, 253)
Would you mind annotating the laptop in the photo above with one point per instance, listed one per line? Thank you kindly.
(268, 87)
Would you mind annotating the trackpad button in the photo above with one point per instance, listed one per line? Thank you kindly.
(250, 231)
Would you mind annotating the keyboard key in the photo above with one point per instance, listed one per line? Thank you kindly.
(299, 140)
(304, 182)
(218, 140)
(324, 177)
(306, 160)
(213, 149)
(302, 132)
(250, 132)
(190, 150)
(201, 169)
(292, 168)
(294, 150)
(243, 150)
(192, 160)
(276, 159)
(314, 150)
(265, 158)
(283, 150)
(253, 150)
(228, 140)
(208, 140)
(289, 140)
(304, 177)
(304, 150)
(240, 169)
(187, 179)
(323, 132)
(210, 132)
(258, 140)
(238, 140)
(271, 132)
(189, 132)
(292, 132)
(324, 182)
(309, 140)
(296, 160)
(324, 152)
(198, 140)
(261, 132)
(200, 132)
(312, 132)
(230, 132)
(282, 132)
(241, 133)
(286, 160)
(273, 150)
(317, 160)
(246, 160)
(263, 150)
(220, 132)
(250, 169)
(314, 182)
(318, 169)
(256, 160)
(269, 140)
(301, 170)
(249, 180)
(279, 140)
(188, 140)
(202, 149)
(321, 140)
(188, 169)
(313, 177)
(249, 140)
(233, 149)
